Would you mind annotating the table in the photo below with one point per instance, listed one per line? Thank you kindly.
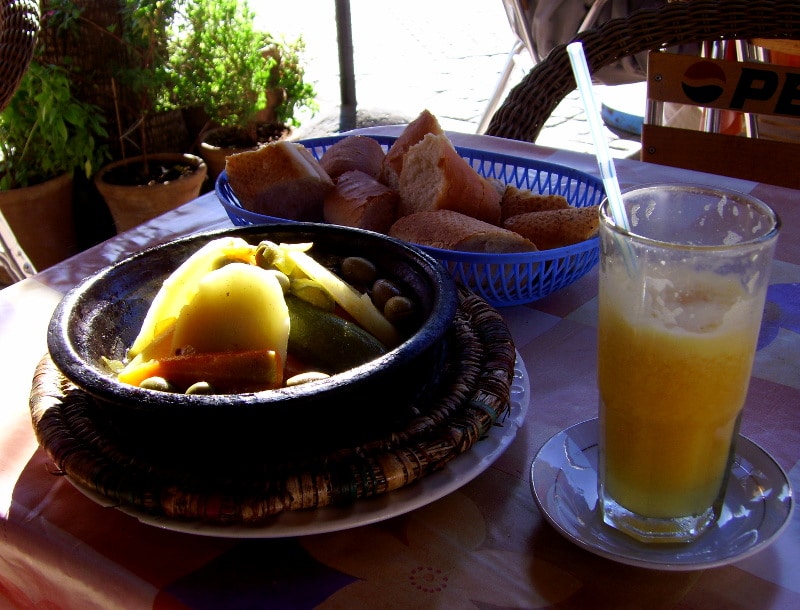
(484, 545)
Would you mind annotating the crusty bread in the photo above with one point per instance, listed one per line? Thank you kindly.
(359, 200)
(520, 201)
(498, 185)
(280, 179)
(424, 124)
(360, 153)
(556, 228)
(435, 177)
(454, 231)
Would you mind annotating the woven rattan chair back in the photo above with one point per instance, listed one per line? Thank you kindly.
(19, 27)
(530, 103)
(764, 92)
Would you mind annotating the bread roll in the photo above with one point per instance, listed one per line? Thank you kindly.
(556, 228)
(280, 179)
(436, 177)
(424, 124)
(520, 201)
(454, 231)
(360, 153)
(359, 200)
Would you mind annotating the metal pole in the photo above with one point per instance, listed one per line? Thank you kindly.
(347, 79)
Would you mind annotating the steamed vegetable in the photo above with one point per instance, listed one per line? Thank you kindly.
(226, 372)
(181, 285)
(233, 315)
(236, 308)
(358, 305)
(326, 342)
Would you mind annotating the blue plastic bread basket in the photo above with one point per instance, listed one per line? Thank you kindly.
(501, 279)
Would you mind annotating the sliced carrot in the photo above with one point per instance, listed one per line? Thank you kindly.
(227, 372)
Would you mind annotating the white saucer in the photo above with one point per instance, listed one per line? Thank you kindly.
(457, 473)
(757, 508)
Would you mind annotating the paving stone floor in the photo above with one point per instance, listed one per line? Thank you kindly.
(445, 56)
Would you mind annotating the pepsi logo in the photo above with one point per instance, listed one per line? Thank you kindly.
(703, 82)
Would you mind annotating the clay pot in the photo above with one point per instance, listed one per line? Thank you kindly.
(42, 220)
(215, 157)
(133, 203)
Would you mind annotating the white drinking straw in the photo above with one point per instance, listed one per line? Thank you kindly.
(604, 161)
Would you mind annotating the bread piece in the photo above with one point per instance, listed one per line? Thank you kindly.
(280, 179)
(360, 153)
(520, 201)
(424, 124)
(454, 231)
(359, 200)
(436, 177)
(498, 185)
(556, 228)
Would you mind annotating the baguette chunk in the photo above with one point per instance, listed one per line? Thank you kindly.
(521, 201)
(392, 165)
(359, 200)
(450, 230)
(436, 177)
(360, 153)
(281, 179)
(556, 228)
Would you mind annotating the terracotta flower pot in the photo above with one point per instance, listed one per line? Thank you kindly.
(42, 220)
(132, 204)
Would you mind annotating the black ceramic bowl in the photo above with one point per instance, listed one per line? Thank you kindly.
(102, 315)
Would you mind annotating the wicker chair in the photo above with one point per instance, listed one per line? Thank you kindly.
(19, 27)
(529, 104)
(520, 14)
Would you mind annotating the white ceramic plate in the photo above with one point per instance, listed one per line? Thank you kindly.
(758, 506)
(454, 475)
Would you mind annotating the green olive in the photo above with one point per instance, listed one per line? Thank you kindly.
(201, 387)
(398, 308)
(358, 271)
(157, 383)
(382, 291)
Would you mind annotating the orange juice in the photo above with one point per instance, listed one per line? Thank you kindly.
(674, 366)
(683, 279)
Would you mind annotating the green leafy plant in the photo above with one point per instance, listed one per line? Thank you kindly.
(134, 35)
(221, 63)
(45, 131)
(288, 74)
(146, 25)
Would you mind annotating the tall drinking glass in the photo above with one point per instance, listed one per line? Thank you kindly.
(680, 304)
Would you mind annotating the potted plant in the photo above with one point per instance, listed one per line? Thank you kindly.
(46, 134)
(147, 184)
(246, 84)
